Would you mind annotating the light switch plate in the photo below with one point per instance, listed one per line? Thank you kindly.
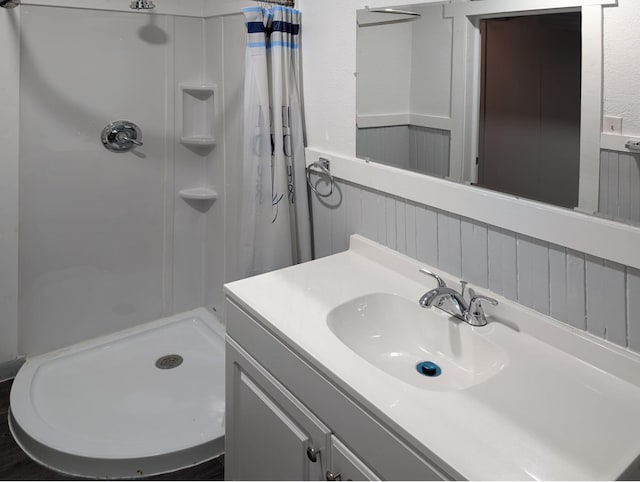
(612, 125)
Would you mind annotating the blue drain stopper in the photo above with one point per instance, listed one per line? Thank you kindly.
(428, 369)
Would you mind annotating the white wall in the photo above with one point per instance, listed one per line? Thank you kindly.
(621, 69)
(384, 68)
(233, 49)
(9, 130)
(431, 62)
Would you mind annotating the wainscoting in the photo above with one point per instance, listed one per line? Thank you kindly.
(586, 292)
(407, 146)
(620, 185)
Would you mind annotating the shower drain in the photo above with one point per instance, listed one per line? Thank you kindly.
(168, 362)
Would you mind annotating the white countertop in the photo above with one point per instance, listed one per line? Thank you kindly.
(566, 406)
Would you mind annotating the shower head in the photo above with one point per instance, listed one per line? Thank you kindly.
(140, 4)
(9, 3)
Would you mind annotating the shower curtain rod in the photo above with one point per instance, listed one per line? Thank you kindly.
(286, 3)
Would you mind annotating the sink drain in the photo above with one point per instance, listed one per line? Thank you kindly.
(428, 369)
(168, 362)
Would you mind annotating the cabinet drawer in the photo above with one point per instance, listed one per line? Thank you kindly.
(385, 453)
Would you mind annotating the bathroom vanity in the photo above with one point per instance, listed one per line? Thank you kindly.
(322, 382)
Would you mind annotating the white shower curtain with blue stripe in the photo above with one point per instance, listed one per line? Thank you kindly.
(275, 225)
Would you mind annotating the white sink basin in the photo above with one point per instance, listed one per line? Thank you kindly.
(395, 334)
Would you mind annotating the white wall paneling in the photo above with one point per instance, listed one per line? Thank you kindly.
(190, 219)
(429, 150)
(475, 252)
(386, 144)
(583, 291)
(633, 307)
(558, 299)
(233, 29)
(588, 234)
(502, 272)
(533, 273)
(9, 135)
(620, 185)
(576, 294)
(407, 147)
(427, 235)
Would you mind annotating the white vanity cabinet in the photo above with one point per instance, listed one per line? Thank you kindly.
(270, 434)
(285, 421)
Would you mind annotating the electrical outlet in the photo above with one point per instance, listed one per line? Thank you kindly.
(612, 125)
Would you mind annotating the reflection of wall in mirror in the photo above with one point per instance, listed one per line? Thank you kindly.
(404, 85)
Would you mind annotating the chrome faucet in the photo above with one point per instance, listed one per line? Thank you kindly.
(452, 302)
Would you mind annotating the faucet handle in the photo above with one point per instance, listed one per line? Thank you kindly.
(475, 301)
(463, 284)
(475, 315)
(441, 283)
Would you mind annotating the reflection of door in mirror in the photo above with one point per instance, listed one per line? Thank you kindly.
(529, 139)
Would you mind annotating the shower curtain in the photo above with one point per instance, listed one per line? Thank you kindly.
(275, 226)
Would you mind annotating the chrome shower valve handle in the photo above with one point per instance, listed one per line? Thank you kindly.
(121, 136)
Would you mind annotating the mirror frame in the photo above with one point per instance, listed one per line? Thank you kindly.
(465, 91)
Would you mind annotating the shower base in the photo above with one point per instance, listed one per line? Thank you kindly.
(104, 409)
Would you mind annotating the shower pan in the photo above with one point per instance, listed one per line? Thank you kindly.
(144, 401)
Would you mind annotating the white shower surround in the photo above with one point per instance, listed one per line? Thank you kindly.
(204, 31)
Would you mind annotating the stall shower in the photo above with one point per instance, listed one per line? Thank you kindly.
(130, 136)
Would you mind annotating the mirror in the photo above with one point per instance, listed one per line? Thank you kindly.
(512, 111)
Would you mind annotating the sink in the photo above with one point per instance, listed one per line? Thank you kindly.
(394, 334)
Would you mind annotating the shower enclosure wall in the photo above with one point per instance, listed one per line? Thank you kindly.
(106, 241)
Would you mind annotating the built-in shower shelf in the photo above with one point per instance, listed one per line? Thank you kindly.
(204, 141)
(199, 194)
(205, 90)
(198, 114)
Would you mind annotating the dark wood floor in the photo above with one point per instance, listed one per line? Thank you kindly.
(16, 465)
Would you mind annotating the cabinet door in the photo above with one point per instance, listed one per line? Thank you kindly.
(269, 432)
(346, 466)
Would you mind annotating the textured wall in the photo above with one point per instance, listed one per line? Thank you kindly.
(586, 292)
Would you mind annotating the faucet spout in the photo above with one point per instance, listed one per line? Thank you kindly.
(447, 299)
(452, 302)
